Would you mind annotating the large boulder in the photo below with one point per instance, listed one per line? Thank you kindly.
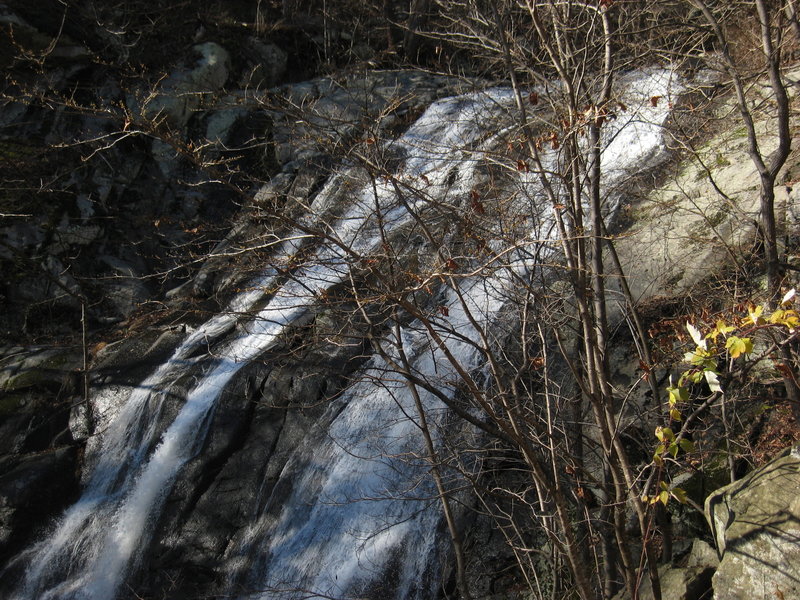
(688, 579)
(182, 93)
(756, 523)
(267, 64)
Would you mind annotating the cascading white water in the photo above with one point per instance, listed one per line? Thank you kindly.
(349, 516)
(98, 539)
(352, 510)
(360, 503)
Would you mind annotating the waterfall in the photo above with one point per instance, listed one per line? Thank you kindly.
(359, 505)
(360, 501)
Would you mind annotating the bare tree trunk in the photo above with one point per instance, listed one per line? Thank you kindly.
(88, 416)
(417, 18)
(768, 166)
(444, 499)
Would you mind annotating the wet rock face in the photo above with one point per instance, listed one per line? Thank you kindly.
(756, 522)
(103, 198)
(261, 420)
(263, 416)
(183, 92)
(148, 172)
(39, 465)
(31, 486)
(38, 387)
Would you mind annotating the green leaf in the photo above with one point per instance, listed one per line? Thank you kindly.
(664, 497)
(673, 449)
(700, 358)
(680, 495)
(660, 449)
(686, 445)
(678, 394)
(675, 415)
(696, 376)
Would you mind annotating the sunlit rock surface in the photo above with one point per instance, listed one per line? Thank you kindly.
(756, 524)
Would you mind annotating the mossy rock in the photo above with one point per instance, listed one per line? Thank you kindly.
(11, 404)
(45, 368)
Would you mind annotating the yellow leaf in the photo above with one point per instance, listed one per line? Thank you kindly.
(722, 328)
(754, 316)
(737, 346)
(788, 318)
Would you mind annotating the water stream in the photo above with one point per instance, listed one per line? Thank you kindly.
(361, 504)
